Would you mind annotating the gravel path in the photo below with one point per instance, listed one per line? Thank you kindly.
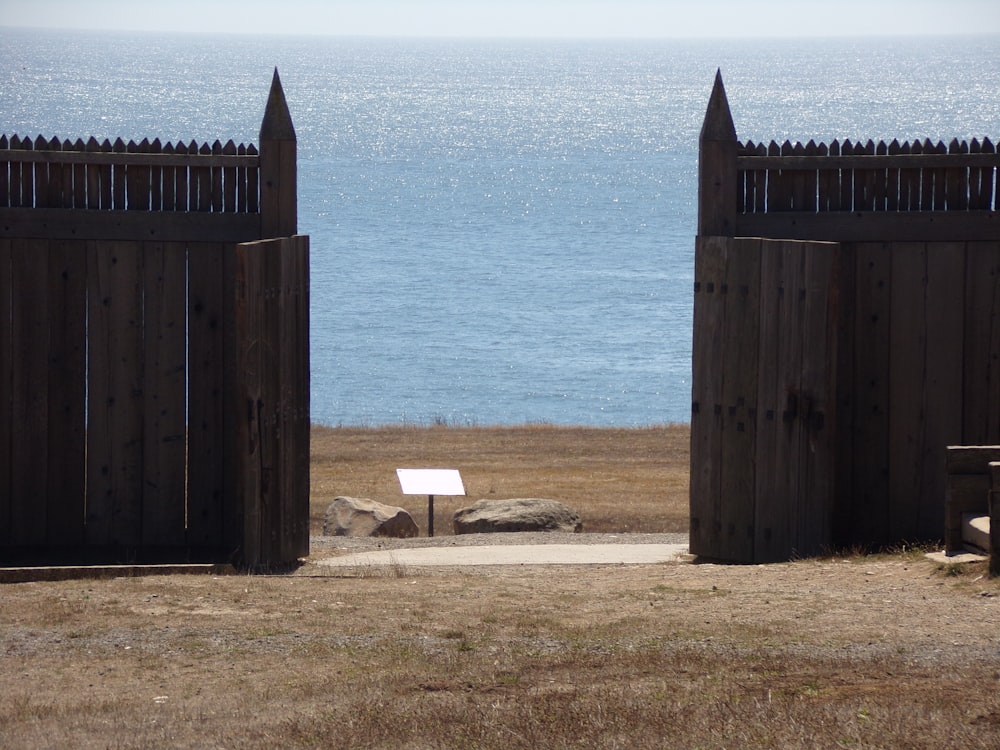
(359, 544)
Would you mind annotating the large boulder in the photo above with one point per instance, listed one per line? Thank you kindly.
(521, 514)
(359, 516)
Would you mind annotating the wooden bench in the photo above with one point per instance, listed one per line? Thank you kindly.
(972, 503)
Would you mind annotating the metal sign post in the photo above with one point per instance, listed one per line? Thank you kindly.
(430, 482)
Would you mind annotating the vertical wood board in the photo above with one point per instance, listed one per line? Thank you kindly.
(114, 456)
(818, 400)
(6, 391)
(247, 401)
(295, 429)
(706, 387)
(67, 391)
(981, 353)
(943, 394)
(29, 406)
(740, 335)
(772, 523)
(164, 391)
(869, 467)
(907, 384)
(206, 393)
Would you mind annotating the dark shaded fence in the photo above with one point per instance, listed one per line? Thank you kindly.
(154, 366)
(846, 331)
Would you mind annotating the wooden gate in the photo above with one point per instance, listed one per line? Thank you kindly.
(835, 360)
(154, 358)
(762, 474)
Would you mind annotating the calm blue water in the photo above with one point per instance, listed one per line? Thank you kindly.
(502, 232)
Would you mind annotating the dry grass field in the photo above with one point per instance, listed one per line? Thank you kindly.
(619, 480)
(881, 651)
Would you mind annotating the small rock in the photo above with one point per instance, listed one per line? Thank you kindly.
(521, 514)
(359, 516)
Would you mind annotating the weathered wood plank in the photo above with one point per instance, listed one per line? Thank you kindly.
(935, 178)
(26, 179)
(127, 158)
(114, 454)
(863, 159)
(907, 386)
(870, 383)
(137, 179)
(847, 226)
(253, 183)
(987, 180)
(67, 391)
(229, 180)
(206, 393)
(271, 403)
(957, 179)
(182, 192)
(820, 321)
(247, 398)
(162, 226)
(864, 180)
(981, 352)
(218, 199)
(880, 180)
(155, 178)
(42, 195)
(840, 422)
(6, 392)
(909, 184)
(4, 175)
(994, 563)
(846, 182)
(29, 405)
(829, 179)
(294, 408)
(202, 176)
(105, 180)
(706, 408)
(943, 395)
(740, 294)
(810, 182)
(119, 179)
(164, 391)
(780, 342)
(892, 173)
(168, 179)
(969, 459)
(77, 173)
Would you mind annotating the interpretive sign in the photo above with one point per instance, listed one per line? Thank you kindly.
(430, 482)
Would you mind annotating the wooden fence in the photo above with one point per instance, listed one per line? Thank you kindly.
(154, 366)
(846, 331)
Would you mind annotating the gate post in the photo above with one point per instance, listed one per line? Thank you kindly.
(278, 189)
(717, 173)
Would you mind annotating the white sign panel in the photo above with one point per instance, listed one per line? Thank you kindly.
(430, 481)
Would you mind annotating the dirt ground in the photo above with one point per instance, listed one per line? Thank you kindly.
(890, 650)
(894, 651)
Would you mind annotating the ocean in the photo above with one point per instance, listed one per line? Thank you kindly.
(502, 232)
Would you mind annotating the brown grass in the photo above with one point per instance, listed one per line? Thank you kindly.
(887, 651)
(619, 480)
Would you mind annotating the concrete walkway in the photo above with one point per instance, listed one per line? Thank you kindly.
(513, 554)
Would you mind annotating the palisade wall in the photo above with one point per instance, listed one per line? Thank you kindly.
(154, 361)
(846, 331)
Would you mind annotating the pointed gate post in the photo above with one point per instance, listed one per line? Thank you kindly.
(717, 173)
(278, 190)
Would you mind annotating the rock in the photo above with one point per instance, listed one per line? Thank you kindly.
(359, 516)
(522, 514)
